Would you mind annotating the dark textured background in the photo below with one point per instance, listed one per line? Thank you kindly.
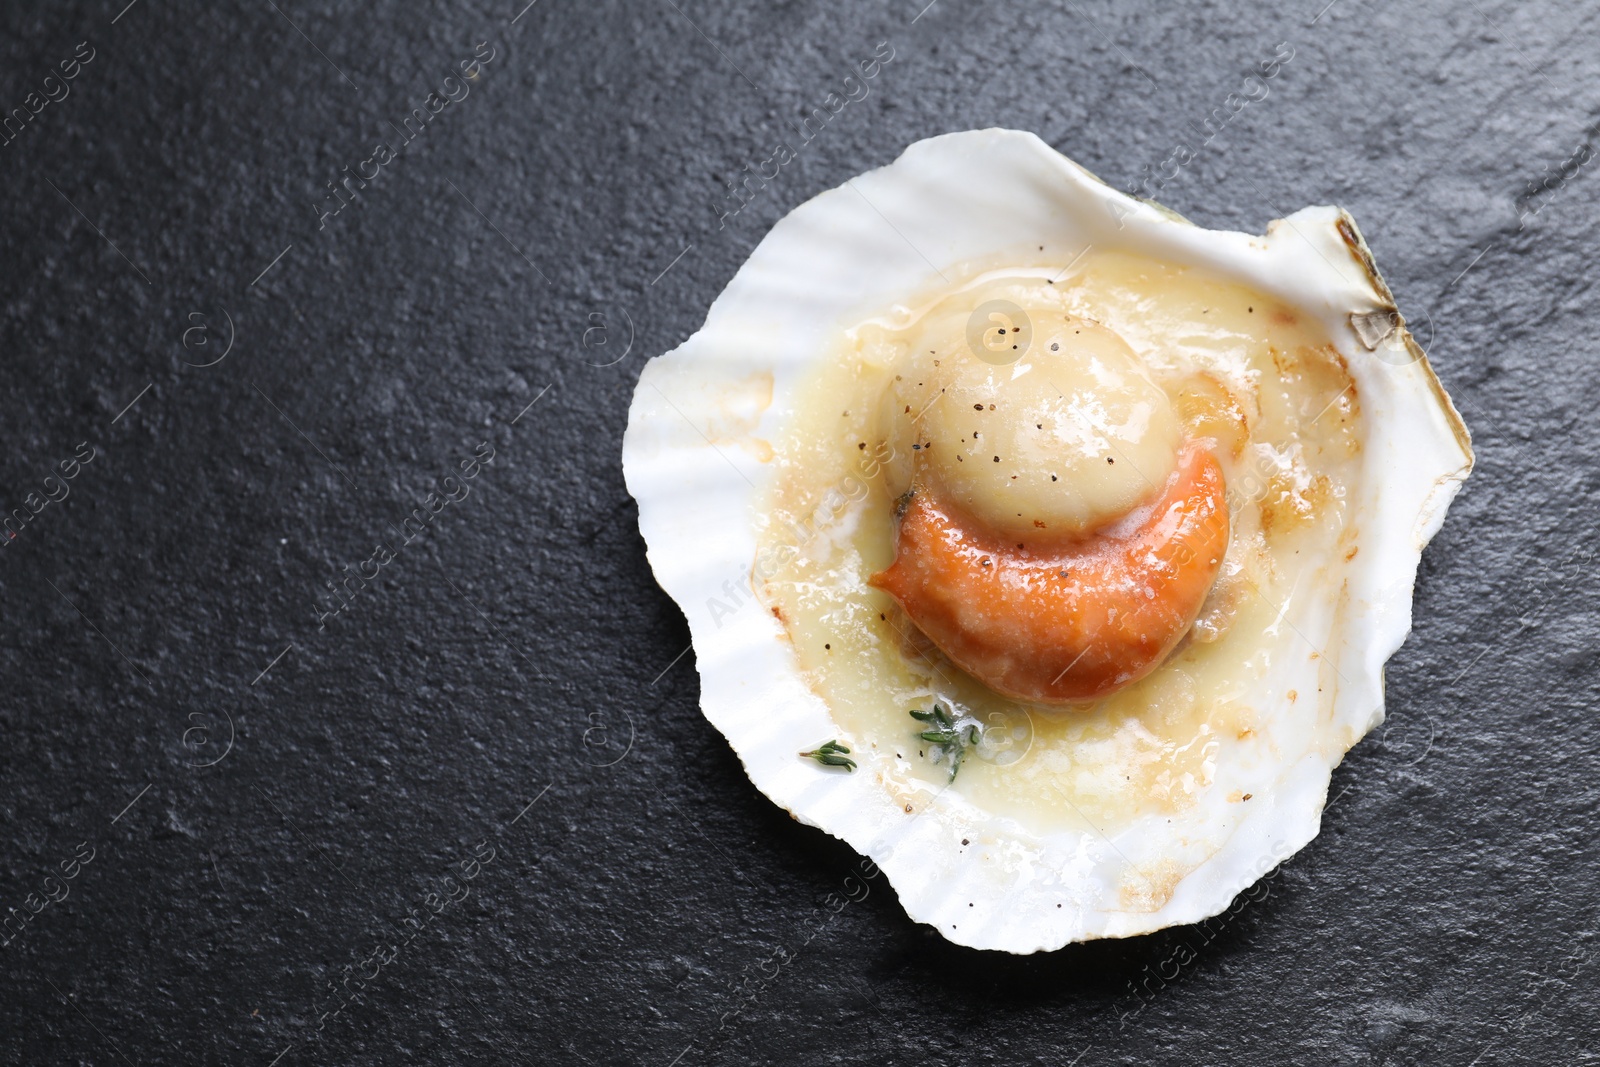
(255, 835)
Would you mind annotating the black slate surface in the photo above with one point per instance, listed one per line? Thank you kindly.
(249, 798)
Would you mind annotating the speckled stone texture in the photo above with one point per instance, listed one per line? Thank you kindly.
(263, 831)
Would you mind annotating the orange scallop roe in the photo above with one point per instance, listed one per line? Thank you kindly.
(1065, 620)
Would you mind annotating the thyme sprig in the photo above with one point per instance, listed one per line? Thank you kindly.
(831, 754)
(954, 741)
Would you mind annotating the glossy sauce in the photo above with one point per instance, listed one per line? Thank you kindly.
(1250, 378)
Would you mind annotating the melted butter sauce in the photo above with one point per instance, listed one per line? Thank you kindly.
(1250, 375)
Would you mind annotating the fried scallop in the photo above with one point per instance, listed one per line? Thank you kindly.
(1041, 545)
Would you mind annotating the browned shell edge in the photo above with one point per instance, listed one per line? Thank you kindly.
(1362, 253)
(1351, 233)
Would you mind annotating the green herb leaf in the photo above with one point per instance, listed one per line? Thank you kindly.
(954, 741)
(831, 754)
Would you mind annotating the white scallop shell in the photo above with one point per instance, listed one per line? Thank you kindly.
(697, 462)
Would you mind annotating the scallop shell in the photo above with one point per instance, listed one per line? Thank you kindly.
(695, 457)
